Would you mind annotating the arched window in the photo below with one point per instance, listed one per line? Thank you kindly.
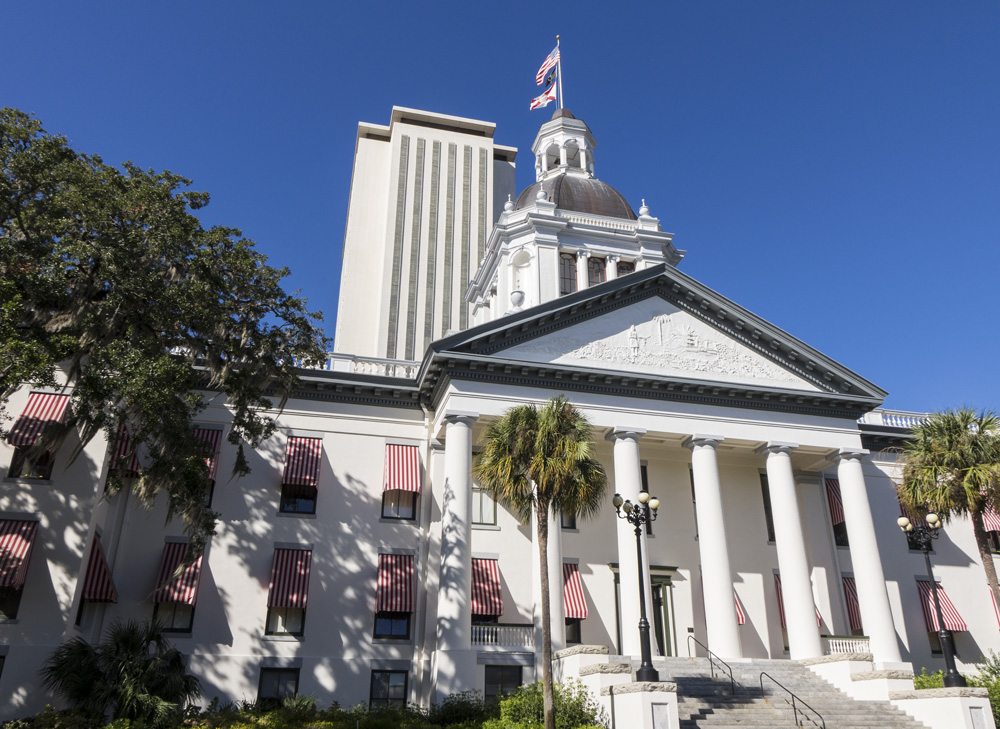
(596, 271)
(567, 273)
(552, 157)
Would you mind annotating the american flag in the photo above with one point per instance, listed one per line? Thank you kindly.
(550, 61)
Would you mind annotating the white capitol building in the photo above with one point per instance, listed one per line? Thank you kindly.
(359, 562)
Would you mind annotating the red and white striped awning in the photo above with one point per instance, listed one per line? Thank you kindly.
(952, 620)
(302, 460)
(395, 583)
(210, 439)
(834, 500)
(123, 443)
(402, 468)
(487, 595)
(574, 602)
(43, 409)
(16, 538)
(174, 587)
(741, 615)
(289, 586)
(996, 609)
(853, 606)
(97, 584)
(781, 604)
(991, 519)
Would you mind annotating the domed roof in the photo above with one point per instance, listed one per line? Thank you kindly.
(580, 194)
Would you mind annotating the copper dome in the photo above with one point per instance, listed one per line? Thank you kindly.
(580, 194)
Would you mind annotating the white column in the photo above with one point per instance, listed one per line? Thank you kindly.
(611, 268)
(628, 483)
(582, 280)
(557, 618)
(716, 573)
(873, 600)
(796, 586)
(454, 617)
(583, 158)
(562, 156)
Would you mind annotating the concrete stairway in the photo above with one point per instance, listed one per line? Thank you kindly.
(704, 702)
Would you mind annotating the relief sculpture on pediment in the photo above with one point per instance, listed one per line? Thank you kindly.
(671, 342)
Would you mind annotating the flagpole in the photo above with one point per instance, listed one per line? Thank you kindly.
(560, 74)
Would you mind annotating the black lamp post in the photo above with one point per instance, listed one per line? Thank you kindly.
(923, 535)
(638, 515)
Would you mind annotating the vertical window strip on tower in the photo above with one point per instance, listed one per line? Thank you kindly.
(449, 240)
(415, 251)
(174, 586)
(432, 243)
(16, 538)
(97, 584)
(481, 247)
(397, 248)
(463, 317)
(487, 595)
(289, 586)
(395, 583)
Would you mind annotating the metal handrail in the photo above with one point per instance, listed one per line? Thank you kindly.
(795, 706)
(712, 660)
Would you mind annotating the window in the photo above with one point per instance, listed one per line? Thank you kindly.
(935, 640)
(392, 625)
(399, 504)
(484, 508)
(297, 499)
(500, 681)
(277, 684)
(597, 271)
(567, 521)
(37, 467)
(285, 621)
(840, 534)
(626, 267)
(567, 273)
(768, 517)
(175, 617)
(573, 626)
(993, 539)
(388, 690)
(485, 619)
(10, 601)
(644, 479)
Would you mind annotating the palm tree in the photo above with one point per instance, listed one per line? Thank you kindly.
(952, 467)
(537, 460)
(135, 673)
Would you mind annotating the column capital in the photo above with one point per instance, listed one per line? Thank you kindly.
(774, 447)
(583, 254)
(621, 432)
(460, 416)
(850, 454)
(693, 441)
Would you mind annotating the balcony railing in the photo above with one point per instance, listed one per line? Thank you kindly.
(840, 644)
(502, 634)
(893, 418)
(402, 368)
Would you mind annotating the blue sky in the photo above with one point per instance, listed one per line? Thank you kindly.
(832, 166)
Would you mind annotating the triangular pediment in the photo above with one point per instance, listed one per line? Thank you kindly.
(653, 336)
(660, 331)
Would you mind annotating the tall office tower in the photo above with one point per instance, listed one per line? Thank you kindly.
(425, 193)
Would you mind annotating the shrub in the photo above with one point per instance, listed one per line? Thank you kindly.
(924, 680)
(523, 709)
(465, 710)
